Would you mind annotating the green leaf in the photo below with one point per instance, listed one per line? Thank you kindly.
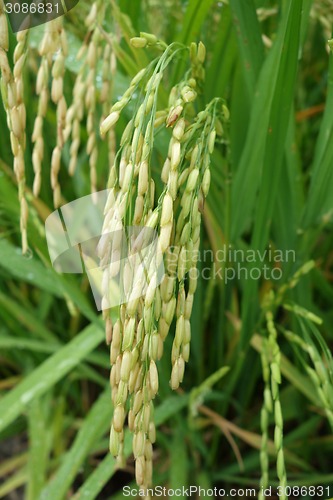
(284, 56)
(250, 43)
(31, 270)
(179, 460)
(170, 407)
(261, 161)
(97, 479)
(195, 15)
(38, 450)
(288, 370)
(49, 373)
(28, 320)
(319, 206)
(94, 426)
(13, 483)
(224, 56)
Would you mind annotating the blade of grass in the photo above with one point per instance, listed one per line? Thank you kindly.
(37, 450)
(319, 205)
(94, 426)
(98, 478)
(27, 319)
(290, 200)
(170, 407)
(271, 108)
(249, 37)
(299, 381)
(49, 373)
(194, 17)
(28, 270)
(251, 438)
(32, 271)
(287, 49)
(223, 57)
(179, 460)
(9, 465)
(7, 342)
(92, 429)
(13, 483)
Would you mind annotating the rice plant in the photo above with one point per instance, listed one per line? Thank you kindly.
(206, 128)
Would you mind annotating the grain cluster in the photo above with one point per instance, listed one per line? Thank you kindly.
(145, 320)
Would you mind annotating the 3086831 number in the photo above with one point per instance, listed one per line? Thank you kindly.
(32, 8)
(302, 491)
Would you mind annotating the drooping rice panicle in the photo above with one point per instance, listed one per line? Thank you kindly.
(108, 75)
(319, 374)
(145, 319)
(85, 94)
(275, 371)
(13, 98)
(57, 96)
(48, 47)
(75, 112)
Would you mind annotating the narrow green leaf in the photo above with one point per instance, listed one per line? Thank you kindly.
(27, 319)
(92, 429)
(13, 483)
(289, 203)
(29, 270)
(194, 17)
(179, 461)
(97, 480)
(7, 342)
(219, 69)
(48, 374)
(319, 205)
(32, 271)
(170, 407)
(264, 146)
(286, 53)
(38, 450)
(288, 370)
(250, 42)
(94, 426)
(102, 474)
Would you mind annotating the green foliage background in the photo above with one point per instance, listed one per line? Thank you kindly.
(272, 185)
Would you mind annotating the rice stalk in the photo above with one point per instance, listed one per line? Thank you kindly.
(319, 374)
(108, 75)
(85, 93)
(275, 357)
(143, 324)
(13, 98)
(43, 92)
(266, 410)
(57, 96)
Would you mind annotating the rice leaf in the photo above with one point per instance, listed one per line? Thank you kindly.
(48, 374)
